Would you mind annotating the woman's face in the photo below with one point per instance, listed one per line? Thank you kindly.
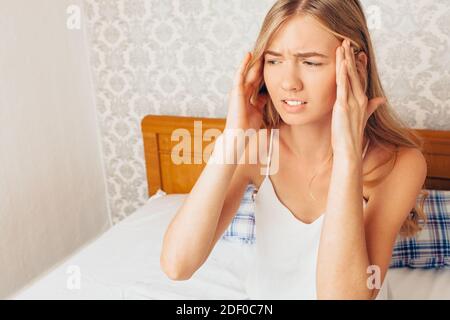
(309, 77)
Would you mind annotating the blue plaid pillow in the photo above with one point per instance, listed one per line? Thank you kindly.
(242, 227)
(430, 248)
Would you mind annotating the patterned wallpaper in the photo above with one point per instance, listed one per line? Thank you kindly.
(178, 57)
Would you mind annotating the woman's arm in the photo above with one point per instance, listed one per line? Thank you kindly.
(353, 241)
(343, 258)
(204, 215)
(215, 197)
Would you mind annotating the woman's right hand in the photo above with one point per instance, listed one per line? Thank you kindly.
(242, 112)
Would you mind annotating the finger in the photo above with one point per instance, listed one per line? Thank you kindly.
(260, 102)
(254, 73)
(352, 71)
(253, 77)
(250, 88)
(347, 88)
(240, 74)
(347, 59)
(342, 88)
(339, 59)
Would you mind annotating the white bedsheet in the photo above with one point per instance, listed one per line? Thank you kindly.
(419, 284)
(123, 263)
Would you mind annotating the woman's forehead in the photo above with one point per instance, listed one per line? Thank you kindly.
(303, 33)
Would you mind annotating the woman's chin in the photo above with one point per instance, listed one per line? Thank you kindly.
(293, 119)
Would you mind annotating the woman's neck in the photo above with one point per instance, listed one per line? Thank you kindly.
(310, 144)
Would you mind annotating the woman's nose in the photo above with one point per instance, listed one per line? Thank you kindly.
(291, 80)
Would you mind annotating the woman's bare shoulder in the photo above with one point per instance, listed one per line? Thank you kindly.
(380, 160)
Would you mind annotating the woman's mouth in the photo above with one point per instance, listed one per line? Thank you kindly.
(293, 106)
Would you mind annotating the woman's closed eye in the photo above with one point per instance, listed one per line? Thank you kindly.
(308, 63)
(312, 64)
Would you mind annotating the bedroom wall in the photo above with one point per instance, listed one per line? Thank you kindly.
(52, 187)
(178, 57)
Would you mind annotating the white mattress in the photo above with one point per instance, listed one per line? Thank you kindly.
(419, 284)
(123, 263)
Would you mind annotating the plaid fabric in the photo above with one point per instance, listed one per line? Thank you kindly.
(242, 227)
(430, 248)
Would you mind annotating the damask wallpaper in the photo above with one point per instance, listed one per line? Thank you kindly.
(178, 57)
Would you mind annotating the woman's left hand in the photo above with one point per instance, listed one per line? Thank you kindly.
(352, 108)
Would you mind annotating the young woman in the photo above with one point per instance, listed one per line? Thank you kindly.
(330, 123)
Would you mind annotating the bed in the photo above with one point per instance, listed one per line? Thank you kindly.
(123, 263)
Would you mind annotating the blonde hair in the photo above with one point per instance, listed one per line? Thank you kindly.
(346, 19)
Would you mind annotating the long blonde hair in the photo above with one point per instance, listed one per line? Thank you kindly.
(346, 19)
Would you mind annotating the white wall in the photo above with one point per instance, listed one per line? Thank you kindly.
(52, 187)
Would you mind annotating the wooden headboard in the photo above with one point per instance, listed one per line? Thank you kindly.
(163, 174)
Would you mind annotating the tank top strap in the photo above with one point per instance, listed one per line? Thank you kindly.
(269, 156)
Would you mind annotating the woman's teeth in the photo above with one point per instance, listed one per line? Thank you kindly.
(294, 103)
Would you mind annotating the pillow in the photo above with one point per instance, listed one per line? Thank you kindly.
(158, 194)
(242, 227)
(430, 248)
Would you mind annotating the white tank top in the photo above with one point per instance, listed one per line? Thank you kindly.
(284, 265)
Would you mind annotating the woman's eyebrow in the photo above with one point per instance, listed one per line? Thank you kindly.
(298, 55)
